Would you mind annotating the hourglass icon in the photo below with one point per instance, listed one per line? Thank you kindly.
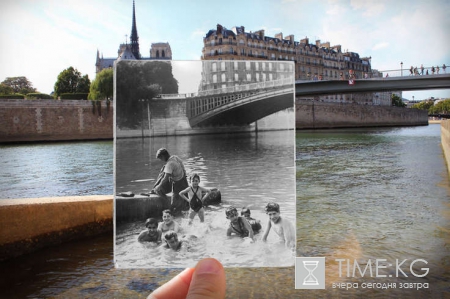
(310, 279)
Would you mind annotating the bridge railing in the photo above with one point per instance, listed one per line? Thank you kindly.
(247, 87)
(226, 90)
(212, 99)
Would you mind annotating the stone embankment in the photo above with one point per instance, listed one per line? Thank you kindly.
(445, 141)
(29, 224)
(53, 120)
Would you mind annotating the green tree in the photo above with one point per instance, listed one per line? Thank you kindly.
(135, 81)
(397, 101)
(19, 84)
(71, 81)
(423, 105)
(442, 107)
(5, 89)
(103, 85)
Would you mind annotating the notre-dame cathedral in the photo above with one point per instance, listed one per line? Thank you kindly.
(130, 51)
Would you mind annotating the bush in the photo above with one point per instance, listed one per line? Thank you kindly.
(12, 96)
(37, 96)
(74, 96)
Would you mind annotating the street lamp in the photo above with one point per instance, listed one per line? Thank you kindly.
(401, 65)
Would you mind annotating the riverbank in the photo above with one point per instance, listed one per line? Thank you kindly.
(29, 224)
(445, 141)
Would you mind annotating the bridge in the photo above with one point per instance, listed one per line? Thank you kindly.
(405, 83)
(237, 105)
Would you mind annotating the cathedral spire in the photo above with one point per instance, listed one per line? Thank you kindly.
(134, 37)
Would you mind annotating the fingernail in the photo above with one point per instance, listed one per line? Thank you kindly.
(208, 266)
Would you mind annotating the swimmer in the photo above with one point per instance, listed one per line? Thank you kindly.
(256, 224)
(281, 226)
(238, 225)
(172, 241)
(193, 195)
(168, 223)
(152, 233)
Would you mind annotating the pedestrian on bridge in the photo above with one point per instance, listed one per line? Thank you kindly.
(444, 67)
(421, 69)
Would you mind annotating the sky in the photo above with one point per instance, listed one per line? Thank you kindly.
(41, 38)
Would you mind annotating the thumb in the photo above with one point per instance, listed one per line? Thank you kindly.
(208, 280)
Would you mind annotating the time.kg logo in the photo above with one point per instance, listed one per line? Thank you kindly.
(310, 273)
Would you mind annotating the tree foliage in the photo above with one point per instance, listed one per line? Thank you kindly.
(103, 85)
(137, 81)
(5, 89)
(71, 81)
(441, 107)
(423, 105)
(18, 85)
(397, 101)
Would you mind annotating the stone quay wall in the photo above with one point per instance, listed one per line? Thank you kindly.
(168, 118)
(445, 141)
(320, 115)
(54, 120)
(69, 120)
(28, 224)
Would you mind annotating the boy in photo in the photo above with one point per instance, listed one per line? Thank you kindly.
(282, 227)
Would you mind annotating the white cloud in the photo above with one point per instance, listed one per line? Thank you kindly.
(368, 8)
(380, 45)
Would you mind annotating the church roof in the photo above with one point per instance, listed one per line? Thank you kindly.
(126, 55)
(105, 63)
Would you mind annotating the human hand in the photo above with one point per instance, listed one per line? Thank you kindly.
(205, 281)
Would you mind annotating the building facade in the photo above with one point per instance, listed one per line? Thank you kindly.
(311, 61)
(217, 74)
(130, 51)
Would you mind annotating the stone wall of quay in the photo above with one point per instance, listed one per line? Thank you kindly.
(445, 141)
(28, 224)
(53, 120)
(168, 118)
(320, 115)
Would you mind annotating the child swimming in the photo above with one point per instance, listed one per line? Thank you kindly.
(238, 225)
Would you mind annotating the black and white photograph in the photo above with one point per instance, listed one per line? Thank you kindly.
(204, 163)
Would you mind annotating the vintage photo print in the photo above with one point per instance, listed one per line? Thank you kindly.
(204, 163)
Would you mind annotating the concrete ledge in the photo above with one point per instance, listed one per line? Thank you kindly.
(32, 223)
(445, 141)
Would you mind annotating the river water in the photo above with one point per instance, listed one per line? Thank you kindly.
(362, 194)
(56, 169)
(249, 169)
(368, 194)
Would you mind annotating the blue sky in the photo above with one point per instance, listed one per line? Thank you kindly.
(42, 38)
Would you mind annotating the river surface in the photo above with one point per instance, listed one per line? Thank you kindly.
(249, 169)
(361, 194)
(368, 194)
(56, 169)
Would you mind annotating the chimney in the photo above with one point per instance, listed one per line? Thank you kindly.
(219, 29)
(318, 43)
(279, 35)
(290, 38)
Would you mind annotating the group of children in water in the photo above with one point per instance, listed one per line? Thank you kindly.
(243, 226)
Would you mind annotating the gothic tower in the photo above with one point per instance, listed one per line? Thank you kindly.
(134, 37)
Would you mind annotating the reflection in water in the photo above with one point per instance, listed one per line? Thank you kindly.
(249, 169)
(374, 194)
